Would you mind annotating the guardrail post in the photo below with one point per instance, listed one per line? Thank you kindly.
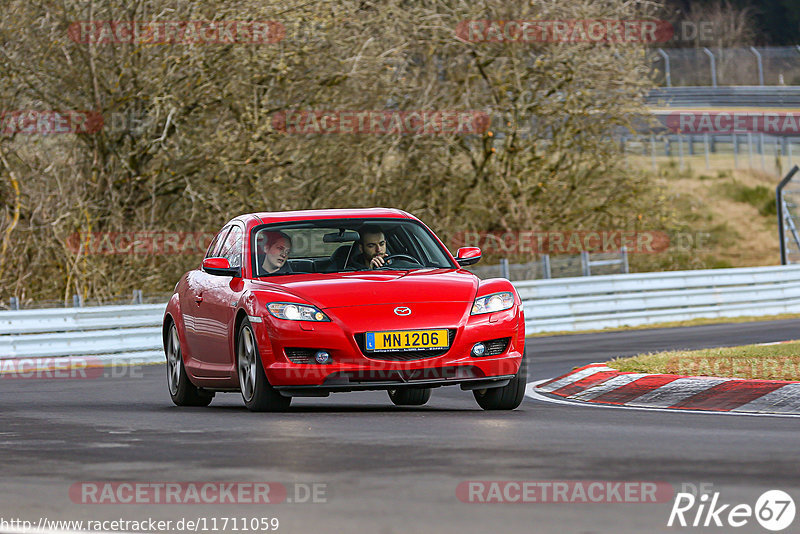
(761, 150)
(691, 145)
(680, 150)
(77, 301)
(713, 67)
(13, 303)
(624, 259)
(735, 151)
(750, 149)
(546, 272)
(137, 296)
(706, 149)
(789, 150)
(760, 65)
(504, 270)
(586, 269)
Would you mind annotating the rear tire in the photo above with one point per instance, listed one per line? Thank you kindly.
(507, 397)
(410, 396)
(257, 393)
(181, 390)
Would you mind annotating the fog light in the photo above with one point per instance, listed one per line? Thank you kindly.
(322, 357)
(478, 349)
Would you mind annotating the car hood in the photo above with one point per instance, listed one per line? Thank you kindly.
(338, 290)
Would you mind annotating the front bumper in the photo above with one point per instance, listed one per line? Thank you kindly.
(325, 390)
(353, 370)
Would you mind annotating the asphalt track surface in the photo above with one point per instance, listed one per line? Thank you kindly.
(388, 469)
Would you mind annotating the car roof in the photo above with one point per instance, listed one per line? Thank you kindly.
(305, 215)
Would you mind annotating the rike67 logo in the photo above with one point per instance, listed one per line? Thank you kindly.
(774, 510)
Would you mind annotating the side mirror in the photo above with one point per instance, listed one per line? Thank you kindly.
(468, 256)
(221, 267)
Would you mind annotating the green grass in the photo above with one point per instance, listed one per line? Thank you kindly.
(759, 196)
(765, 362)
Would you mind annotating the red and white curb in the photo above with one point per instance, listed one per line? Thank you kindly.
(600, 384)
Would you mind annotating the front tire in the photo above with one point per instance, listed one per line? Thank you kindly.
(257, 393)
(410, 396)
(181, 390)
(507, 397)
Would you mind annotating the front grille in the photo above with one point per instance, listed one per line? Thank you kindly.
(496, 347)
(408, 355)
(305, 356)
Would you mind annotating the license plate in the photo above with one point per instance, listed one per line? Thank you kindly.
(396, 340)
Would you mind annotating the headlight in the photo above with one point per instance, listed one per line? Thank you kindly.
(296, 312)
(493, 303)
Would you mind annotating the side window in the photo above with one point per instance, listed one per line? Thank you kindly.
(232, 247)
(216, 242)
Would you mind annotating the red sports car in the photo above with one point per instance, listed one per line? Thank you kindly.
(306, 303)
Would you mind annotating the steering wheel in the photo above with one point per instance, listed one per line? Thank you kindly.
(391, 257)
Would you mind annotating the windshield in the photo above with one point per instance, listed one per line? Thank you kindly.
(345, 245)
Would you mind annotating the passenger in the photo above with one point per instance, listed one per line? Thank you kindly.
(276, 248)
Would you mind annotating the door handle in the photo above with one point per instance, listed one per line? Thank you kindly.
(198, 298)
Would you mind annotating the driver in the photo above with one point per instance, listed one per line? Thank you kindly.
(372, 248)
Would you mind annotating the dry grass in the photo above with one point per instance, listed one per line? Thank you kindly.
(765, 362)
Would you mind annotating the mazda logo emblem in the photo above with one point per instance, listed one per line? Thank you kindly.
(402, 311)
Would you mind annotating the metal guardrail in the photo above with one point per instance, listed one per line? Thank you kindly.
(737, 96)
(563, 304)
(104, 333)
(648, 298)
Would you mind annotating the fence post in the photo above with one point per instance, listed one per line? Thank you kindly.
(624, 258)
(546, 272)
(750, 149)
(77, 301)
(735, 151)
(705, 149)
(13, 303)
(137, 296)
(666, 66)
(653, 152)
(760, 65)
(713, 67)
(504, 270)
(781, 215)
(585, 267)
(680, 150)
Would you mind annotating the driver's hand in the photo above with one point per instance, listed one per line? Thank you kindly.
(377, 261)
